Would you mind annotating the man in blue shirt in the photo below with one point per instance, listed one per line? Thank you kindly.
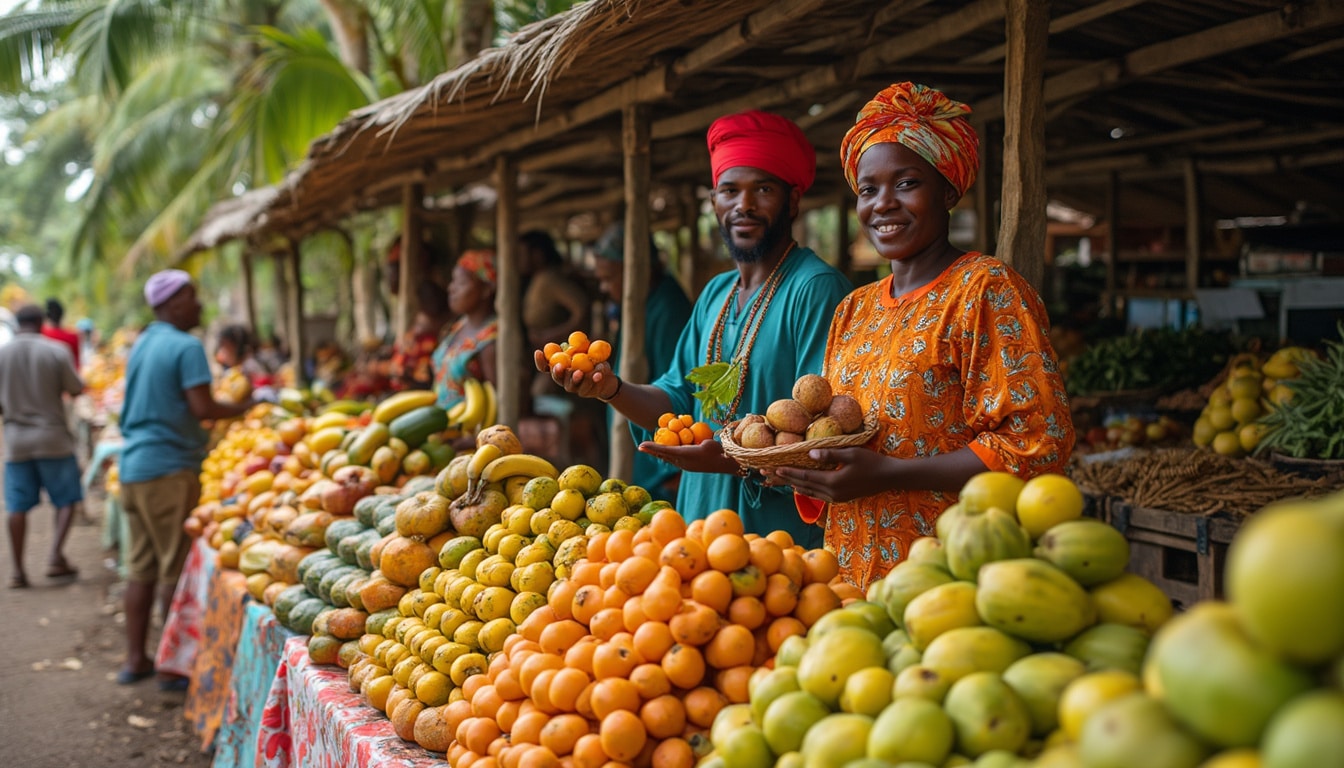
(167, 396)
(770, 316)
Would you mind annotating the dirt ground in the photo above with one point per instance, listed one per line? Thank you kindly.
(60, 705)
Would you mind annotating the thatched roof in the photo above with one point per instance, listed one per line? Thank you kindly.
(1246, 92)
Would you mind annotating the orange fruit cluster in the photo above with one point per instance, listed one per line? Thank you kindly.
(681, 430)
(632, 657)
(578, 353)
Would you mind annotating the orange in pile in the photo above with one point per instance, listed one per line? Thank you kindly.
(633, 657)
(578, 353)
(681, 430)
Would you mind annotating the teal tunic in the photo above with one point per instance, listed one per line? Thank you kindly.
(791, 342)
(665, 315)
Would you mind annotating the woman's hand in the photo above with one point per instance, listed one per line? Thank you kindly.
(861, 472)
(707, 457)
(597, 383)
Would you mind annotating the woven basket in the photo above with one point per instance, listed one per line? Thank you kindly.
(794, 454)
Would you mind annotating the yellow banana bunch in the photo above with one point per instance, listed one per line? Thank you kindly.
(491, 407)
(518, 464)
(402, 402)
(473, 403)
(476, 467)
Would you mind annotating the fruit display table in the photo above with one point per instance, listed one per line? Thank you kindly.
(212, 671)
(311, 719)
(261, 644)
(182, 628)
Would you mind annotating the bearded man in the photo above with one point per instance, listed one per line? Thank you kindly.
(768, 317)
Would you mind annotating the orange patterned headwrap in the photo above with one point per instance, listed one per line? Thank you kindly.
(480, 263)
(923, 119)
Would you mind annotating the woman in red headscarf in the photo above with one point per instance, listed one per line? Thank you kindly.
(951, 350)
(468, 349)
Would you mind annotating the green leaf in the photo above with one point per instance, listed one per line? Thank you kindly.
(707, 374)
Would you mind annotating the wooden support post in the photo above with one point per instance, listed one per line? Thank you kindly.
(1110, 295)
(249, 293)
(1193, 241)
(280, 297)
(509, 352)
(844, 259)
(411, 256)
(295, 306)
(1022, 233)
(984, 200)
(635, 127)
(694, 254)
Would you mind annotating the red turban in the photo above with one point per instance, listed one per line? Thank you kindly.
(761, 140)
(923, 119)
(480, 263)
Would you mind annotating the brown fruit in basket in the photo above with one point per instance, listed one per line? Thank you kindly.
(788, 438)
(848, 412)
(757, 435)
(826, 426)
(743, 423)
(788, 415)
(813, 392)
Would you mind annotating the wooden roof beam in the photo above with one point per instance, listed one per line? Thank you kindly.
(1329, 46)
(1216, 41)
(1163, 139)
(891, 12)
(1270, 143)
(1062, 24)
(879, 58)
(741, 37)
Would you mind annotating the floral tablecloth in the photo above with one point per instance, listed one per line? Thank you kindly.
(312, 720)
(212, 672)
(186, 618)
(261, 643)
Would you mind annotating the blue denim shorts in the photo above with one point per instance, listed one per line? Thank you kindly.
(24, 481)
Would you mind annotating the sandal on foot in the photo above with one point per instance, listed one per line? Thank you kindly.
(130, 677)
(18, 581)
(174, 683)
(64, 572)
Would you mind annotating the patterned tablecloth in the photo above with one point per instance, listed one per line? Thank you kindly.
(312, 720)
(212, 672)
(182, 631)
(261, 643)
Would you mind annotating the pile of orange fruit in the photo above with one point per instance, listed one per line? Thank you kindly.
(681, 430)
(577, 353)
(633, 657)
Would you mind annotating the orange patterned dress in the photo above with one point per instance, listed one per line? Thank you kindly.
(962, 361)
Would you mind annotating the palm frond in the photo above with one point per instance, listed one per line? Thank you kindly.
(29, 41)
(113, 39)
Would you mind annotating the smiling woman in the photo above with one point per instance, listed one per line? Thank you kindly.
(950, 351)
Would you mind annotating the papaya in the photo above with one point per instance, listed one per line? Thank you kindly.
(1216, 680)
(833, 657)
(977, 538)
(309, 529)
(1136, 730)
(962, 651)
(1090, 551)
(1132, 600)
(927, 549)
(1038, 680)
(944, 607)
(986, 715)
(789, 717)
(339, 530)
(367, 440)
(907, 581)
(1309, 731)
(1110, 646)
(836, 740)
(1033, 600)
(323, 649)
(921, 682)
(911, 730)
(286, 600)
(1285, 566)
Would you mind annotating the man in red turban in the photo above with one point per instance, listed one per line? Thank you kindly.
(765, 321)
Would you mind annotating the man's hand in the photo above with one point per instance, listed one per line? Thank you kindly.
(600, 382)
(707, 457)
(861, 472)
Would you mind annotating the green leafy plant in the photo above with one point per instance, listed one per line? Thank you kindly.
(719, 384)
(1311, 424)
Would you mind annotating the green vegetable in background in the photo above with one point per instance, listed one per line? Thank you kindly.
(1161, 359)
(1311, 424)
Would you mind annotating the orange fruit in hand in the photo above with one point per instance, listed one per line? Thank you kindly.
(686, 437)
(665, 420)
(701, 431)
(578, 341)
(560, 358)
(550, 349)
(665, 436)
(581, 361)
(599, 351)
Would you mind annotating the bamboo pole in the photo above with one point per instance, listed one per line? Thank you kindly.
(295, 308)
(635, 125)
(844, 258)
(249, 293)
(1193, 241)
(411, 247)
(1113, 243)
(1022, 233)
(509, 352)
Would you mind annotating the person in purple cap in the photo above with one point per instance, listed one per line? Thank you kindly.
(167, 398)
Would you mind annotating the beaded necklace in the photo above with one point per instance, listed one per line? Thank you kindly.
(752, 327)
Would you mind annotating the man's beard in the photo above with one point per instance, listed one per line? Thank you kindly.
(779, 231)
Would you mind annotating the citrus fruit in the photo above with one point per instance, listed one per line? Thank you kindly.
(1047, 500)
(991, 489)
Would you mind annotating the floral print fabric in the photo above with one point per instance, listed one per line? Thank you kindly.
(963, 361)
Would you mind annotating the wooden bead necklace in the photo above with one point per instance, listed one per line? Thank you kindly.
(752, 327)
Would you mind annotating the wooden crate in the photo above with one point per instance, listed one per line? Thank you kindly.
(1182, 554)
